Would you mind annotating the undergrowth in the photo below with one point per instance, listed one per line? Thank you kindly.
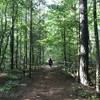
(9, 86)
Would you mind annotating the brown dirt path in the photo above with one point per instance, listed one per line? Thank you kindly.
(49, 85)
(46, 85)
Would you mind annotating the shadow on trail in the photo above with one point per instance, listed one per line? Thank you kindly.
(49, 85)
(46, 84)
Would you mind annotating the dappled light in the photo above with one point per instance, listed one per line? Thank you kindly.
(49, 50)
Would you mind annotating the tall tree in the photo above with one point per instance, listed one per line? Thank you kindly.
(3, 31)
(12, 34)
(84, 38)
(97, 47)
(30, 52)
(26, 39)
(64, 45)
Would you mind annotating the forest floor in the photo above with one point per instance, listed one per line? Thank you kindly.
(49, 84)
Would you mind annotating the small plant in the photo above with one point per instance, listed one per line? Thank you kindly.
(79, 92)
(8, 86)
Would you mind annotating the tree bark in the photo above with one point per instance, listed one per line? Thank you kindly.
(97, 47)
(64, 44)
(30, 52)
(12, 35)
(17, 44)
(3, 30)
(25, 46)
(84, 38)
(4, 51)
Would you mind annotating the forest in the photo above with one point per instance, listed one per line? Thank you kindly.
(34, 31)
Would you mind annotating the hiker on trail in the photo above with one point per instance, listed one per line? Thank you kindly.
(50, 62)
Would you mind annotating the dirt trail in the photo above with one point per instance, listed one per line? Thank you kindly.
(46, 85)
(49, 85)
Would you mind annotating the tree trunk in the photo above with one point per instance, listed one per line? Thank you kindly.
(1, 41)
(20, 49)
(64, 45)
(17, 52)
(30, 52)
(4, 50)
(12, 36)
(97, 47)
(84, 38)
(3, 30)
(25, 46)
